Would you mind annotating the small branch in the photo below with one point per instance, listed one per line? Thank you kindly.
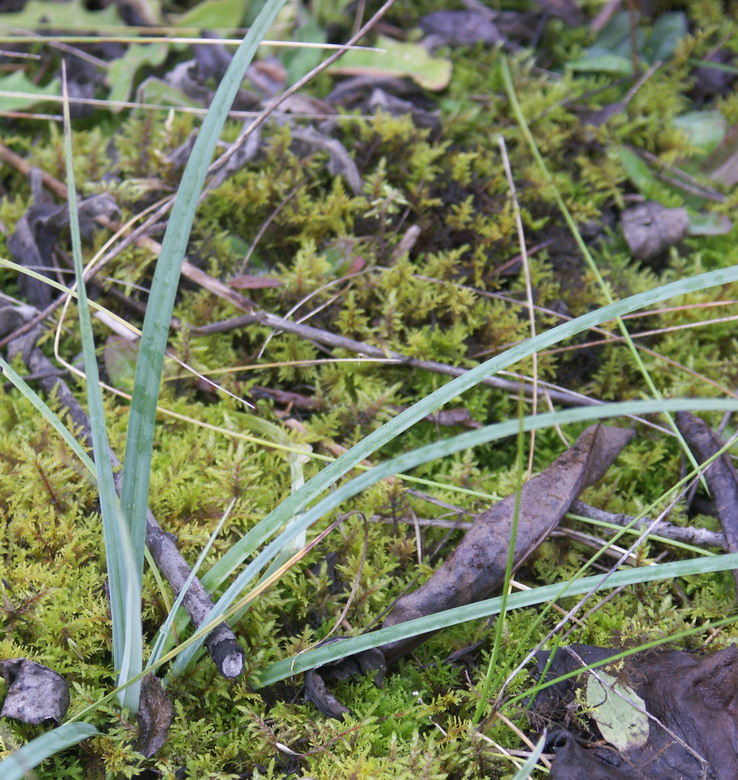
(221, 643)
(361, 348)
(688, 535)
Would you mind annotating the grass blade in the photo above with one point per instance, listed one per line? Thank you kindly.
(428, 453)
(137, 462)
(483, 609)
(295, 503)
(124, 585)
(20, 762)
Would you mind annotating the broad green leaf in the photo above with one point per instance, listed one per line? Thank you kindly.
(215, 15)
(668, 30)
(703, 129)
(71, 15)
(29, 93)
(618, 711)
(154, 91)
(398, 59)
(122, 72)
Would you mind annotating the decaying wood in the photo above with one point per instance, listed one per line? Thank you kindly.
(221, 643)
(476, 568)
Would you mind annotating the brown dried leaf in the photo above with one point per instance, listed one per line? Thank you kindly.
(154, 716)
(477, 567)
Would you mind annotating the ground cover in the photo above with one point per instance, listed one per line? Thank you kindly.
(500, 173)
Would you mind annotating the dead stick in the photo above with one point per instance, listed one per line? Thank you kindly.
(687, 534)
(361, 348)
(221, 643)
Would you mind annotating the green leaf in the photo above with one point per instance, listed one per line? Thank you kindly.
(615, 64)
(157, 92)
(72, 14)
(399, 59)
(122, 72)
(703, 129)
(620, 713)
(30, 93)
(215, 15)
(668, 30)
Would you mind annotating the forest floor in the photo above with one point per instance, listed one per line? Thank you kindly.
(493, 174)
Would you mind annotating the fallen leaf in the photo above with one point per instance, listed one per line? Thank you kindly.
(398, 59)
(476, 567)
(693, 706)
(35, 692)
(154, 717)
(461, 28)
(618, 711)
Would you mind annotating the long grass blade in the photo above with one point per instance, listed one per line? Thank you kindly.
(483, 609)
(295, 503)
(124, 584)
(20, 762)
(426, 454)
(137, 462)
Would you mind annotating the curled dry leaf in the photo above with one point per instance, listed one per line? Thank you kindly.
(35, 692)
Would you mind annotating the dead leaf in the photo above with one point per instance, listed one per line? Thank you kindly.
(651, 228)
(693, 696)
(340, 162)
(461, 28)
(38, 230)
(154, 717)
(35, 692)
(318, 692)
(476, 568)
(721, 475)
